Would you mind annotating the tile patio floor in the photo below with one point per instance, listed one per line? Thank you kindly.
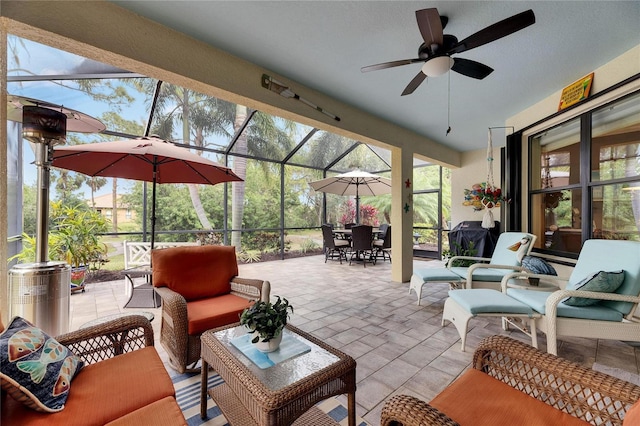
(400, 347)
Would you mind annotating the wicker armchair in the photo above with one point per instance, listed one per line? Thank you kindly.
(200, 290)
(562, 385)
(114, 337)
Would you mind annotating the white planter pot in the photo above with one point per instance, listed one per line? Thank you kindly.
(271, 345)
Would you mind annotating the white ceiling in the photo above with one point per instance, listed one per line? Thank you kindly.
(323, 45)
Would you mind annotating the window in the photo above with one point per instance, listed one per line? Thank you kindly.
(584, 178)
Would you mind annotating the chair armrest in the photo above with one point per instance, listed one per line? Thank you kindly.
(551, 305)
(405, 410)
(523, 274)
(115, 337)
(454, 258)
(174, 311)
(546, 377)
(251, 289)
(473, 268)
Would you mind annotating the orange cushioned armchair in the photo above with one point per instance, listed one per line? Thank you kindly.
(200, 290)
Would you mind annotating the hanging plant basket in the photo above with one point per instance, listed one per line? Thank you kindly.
(483, 196)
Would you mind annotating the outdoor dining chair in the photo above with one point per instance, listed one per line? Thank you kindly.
(333, 246)
(362, 244)
(382, 246)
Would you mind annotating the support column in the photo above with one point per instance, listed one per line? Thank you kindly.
(402, 214)
(4, 293)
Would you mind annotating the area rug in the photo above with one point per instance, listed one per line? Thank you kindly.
(619, 373)
(187, 388)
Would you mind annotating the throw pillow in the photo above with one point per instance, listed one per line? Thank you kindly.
(537, 265)
(36, 369)
(602, 282)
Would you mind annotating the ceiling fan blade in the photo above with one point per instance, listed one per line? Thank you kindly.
(471, 68)
(391, 64)
(413, 84)
(495, 31)
(430, 26)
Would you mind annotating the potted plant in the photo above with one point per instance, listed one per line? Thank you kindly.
(74, 238)
(267, 320)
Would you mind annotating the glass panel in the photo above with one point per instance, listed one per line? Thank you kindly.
(361, 158)
(427, 177)
(382, 153)
(175, 209)
(616, 211)
(269, 137)
(303, 206)
(322, 149)
(425, 221)
(557, 221)
(261, 195)
(559, 152)
(188, 117)
(615, 146)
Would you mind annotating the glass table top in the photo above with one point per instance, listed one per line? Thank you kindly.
(286, 372)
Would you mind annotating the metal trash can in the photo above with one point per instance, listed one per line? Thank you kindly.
(40, 292)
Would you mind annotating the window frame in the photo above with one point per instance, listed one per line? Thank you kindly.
(586, 184)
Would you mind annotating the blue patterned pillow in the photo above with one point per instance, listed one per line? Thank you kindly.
(36, 369)
(602, 282)
(537, 265)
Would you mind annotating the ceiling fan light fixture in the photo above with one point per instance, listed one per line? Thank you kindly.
(437, 66)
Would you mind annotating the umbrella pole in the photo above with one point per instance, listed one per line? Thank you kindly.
(357, 206)
(153, 204)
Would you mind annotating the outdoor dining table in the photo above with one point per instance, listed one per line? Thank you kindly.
(342, 233)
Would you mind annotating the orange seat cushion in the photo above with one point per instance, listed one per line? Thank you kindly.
(206, 314)
(102, 392)
(164, 412)
(476, 399)
(632, 416)
(196, 272)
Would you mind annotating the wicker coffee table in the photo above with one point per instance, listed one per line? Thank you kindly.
(280, 394)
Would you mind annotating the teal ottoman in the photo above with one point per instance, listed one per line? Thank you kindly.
(435, 275)
(462, 305)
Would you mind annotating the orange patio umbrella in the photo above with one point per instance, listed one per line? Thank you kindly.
(148, 159)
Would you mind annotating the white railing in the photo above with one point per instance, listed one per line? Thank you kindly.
(137, 254)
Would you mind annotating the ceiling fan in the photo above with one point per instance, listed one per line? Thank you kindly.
(437, 48)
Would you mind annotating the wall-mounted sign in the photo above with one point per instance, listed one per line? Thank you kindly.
(575, 92)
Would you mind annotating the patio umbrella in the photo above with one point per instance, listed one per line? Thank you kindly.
(355, 183)
(148, 159)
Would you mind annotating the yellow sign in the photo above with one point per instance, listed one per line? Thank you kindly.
(575, 92)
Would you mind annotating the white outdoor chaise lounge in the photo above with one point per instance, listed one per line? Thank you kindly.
(507, 256)
(610, 316)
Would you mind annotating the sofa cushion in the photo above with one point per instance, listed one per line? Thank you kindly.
(537, 300)
(462, 402)
(537, 265)
(195, 272)
(35, 368)
(163, 412)
(601, 282)
(632, 417)
(103, 392)
(206, 314)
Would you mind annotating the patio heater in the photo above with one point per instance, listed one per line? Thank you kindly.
(40, 291)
